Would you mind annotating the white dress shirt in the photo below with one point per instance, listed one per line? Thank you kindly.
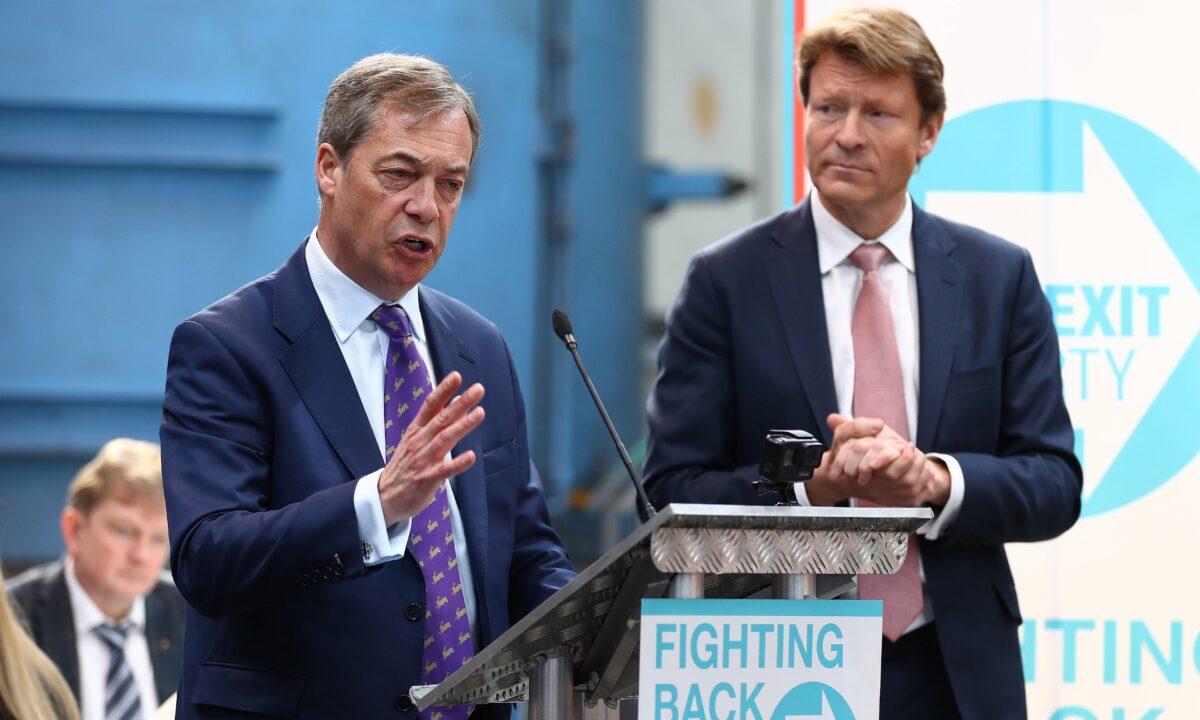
(841, 281)
(364, 346)
(94, 655)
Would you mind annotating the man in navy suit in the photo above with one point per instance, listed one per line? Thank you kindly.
(341, 528)
(935, 337)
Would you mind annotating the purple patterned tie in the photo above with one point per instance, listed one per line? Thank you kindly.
(448, 644)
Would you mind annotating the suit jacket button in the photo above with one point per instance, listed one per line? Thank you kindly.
(404, 704)
(413, 612)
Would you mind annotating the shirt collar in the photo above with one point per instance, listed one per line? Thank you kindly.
(347, 303)
(835, 241)
(85, 612)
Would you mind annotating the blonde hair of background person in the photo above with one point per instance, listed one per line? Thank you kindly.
(124, 469)
(31, 688)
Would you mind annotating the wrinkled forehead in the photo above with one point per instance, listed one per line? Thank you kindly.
(443, 136)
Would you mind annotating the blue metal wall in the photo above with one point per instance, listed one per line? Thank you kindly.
(155, 156)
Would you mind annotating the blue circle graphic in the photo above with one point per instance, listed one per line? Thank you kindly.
(1036, 146)
(811, 699)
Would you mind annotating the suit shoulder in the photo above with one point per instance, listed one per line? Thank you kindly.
(980, 242)
(249, 304)
(167, 593)
(25, 588)
(747, 242)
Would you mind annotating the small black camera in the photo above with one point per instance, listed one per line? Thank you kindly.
(788, 457)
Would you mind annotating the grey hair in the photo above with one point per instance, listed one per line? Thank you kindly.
(411, 83)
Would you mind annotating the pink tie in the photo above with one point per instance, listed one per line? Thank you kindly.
(879, 392)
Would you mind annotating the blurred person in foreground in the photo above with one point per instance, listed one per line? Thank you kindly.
(345, 523)
(108, 615)
(933, 336)
(31, 688)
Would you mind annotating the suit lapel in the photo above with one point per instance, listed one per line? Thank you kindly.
(794, 274)
(939, 299)
(317, 369)
(165, 652)
(449, 353)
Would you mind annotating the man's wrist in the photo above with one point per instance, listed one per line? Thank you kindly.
(940, 494)
(822, 493)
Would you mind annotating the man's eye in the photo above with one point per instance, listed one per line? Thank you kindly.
(453, 185)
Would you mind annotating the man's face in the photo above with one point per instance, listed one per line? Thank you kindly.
(863, 136)
(386, 212)
(118, 548)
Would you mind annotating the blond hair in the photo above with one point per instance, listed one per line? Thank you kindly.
(124, 469)
(884, 40)
(31, 688)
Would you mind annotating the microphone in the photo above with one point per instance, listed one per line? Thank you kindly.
(563, 329)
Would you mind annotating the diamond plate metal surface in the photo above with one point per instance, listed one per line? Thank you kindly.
(812, 540)
(775, 551)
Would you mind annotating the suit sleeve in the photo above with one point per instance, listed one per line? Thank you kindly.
(229, 553)
(540, 565)
(691, 410)
(1030, 488)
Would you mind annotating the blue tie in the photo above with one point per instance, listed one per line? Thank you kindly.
(122, 701)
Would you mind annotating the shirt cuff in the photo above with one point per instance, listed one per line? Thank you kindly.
(380, 543)
(933, 529)
(801, 490)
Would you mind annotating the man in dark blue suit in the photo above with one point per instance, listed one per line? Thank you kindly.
(342, 529)
(935, 337)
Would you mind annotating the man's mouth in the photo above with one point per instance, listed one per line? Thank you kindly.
(416, 243)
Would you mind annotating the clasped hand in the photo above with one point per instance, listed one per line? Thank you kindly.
(870, 461)
(419, 464)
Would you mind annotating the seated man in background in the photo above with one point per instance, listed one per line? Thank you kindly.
(108, 615)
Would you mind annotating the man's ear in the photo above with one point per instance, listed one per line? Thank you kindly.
(71, 522)
(328, 170)
(930, 130)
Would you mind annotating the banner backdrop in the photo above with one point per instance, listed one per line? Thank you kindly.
(1072, 131)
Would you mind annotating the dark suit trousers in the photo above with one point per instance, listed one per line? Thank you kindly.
(914, 684)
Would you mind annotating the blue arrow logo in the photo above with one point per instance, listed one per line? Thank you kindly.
(1036, 146)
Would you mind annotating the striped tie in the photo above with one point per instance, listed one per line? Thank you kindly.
(122, 700)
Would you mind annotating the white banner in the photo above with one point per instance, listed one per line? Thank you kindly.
(759, 659)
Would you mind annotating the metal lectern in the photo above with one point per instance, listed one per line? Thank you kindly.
(576, 655)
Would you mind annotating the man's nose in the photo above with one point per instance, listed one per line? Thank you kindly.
(849, 134)
(139, 550)
(422, 203)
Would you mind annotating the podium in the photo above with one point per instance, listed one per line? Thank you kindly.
(576, 656)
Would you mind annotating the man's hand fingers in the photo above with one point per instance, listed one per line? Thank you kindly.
(458, 407)
(436, 400)
(449, 437)
(456, 465)
(856, 428)
(852, 454)
(899, 467)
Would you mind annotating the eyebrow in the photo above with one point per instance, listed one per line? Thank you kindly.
(421, 162)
